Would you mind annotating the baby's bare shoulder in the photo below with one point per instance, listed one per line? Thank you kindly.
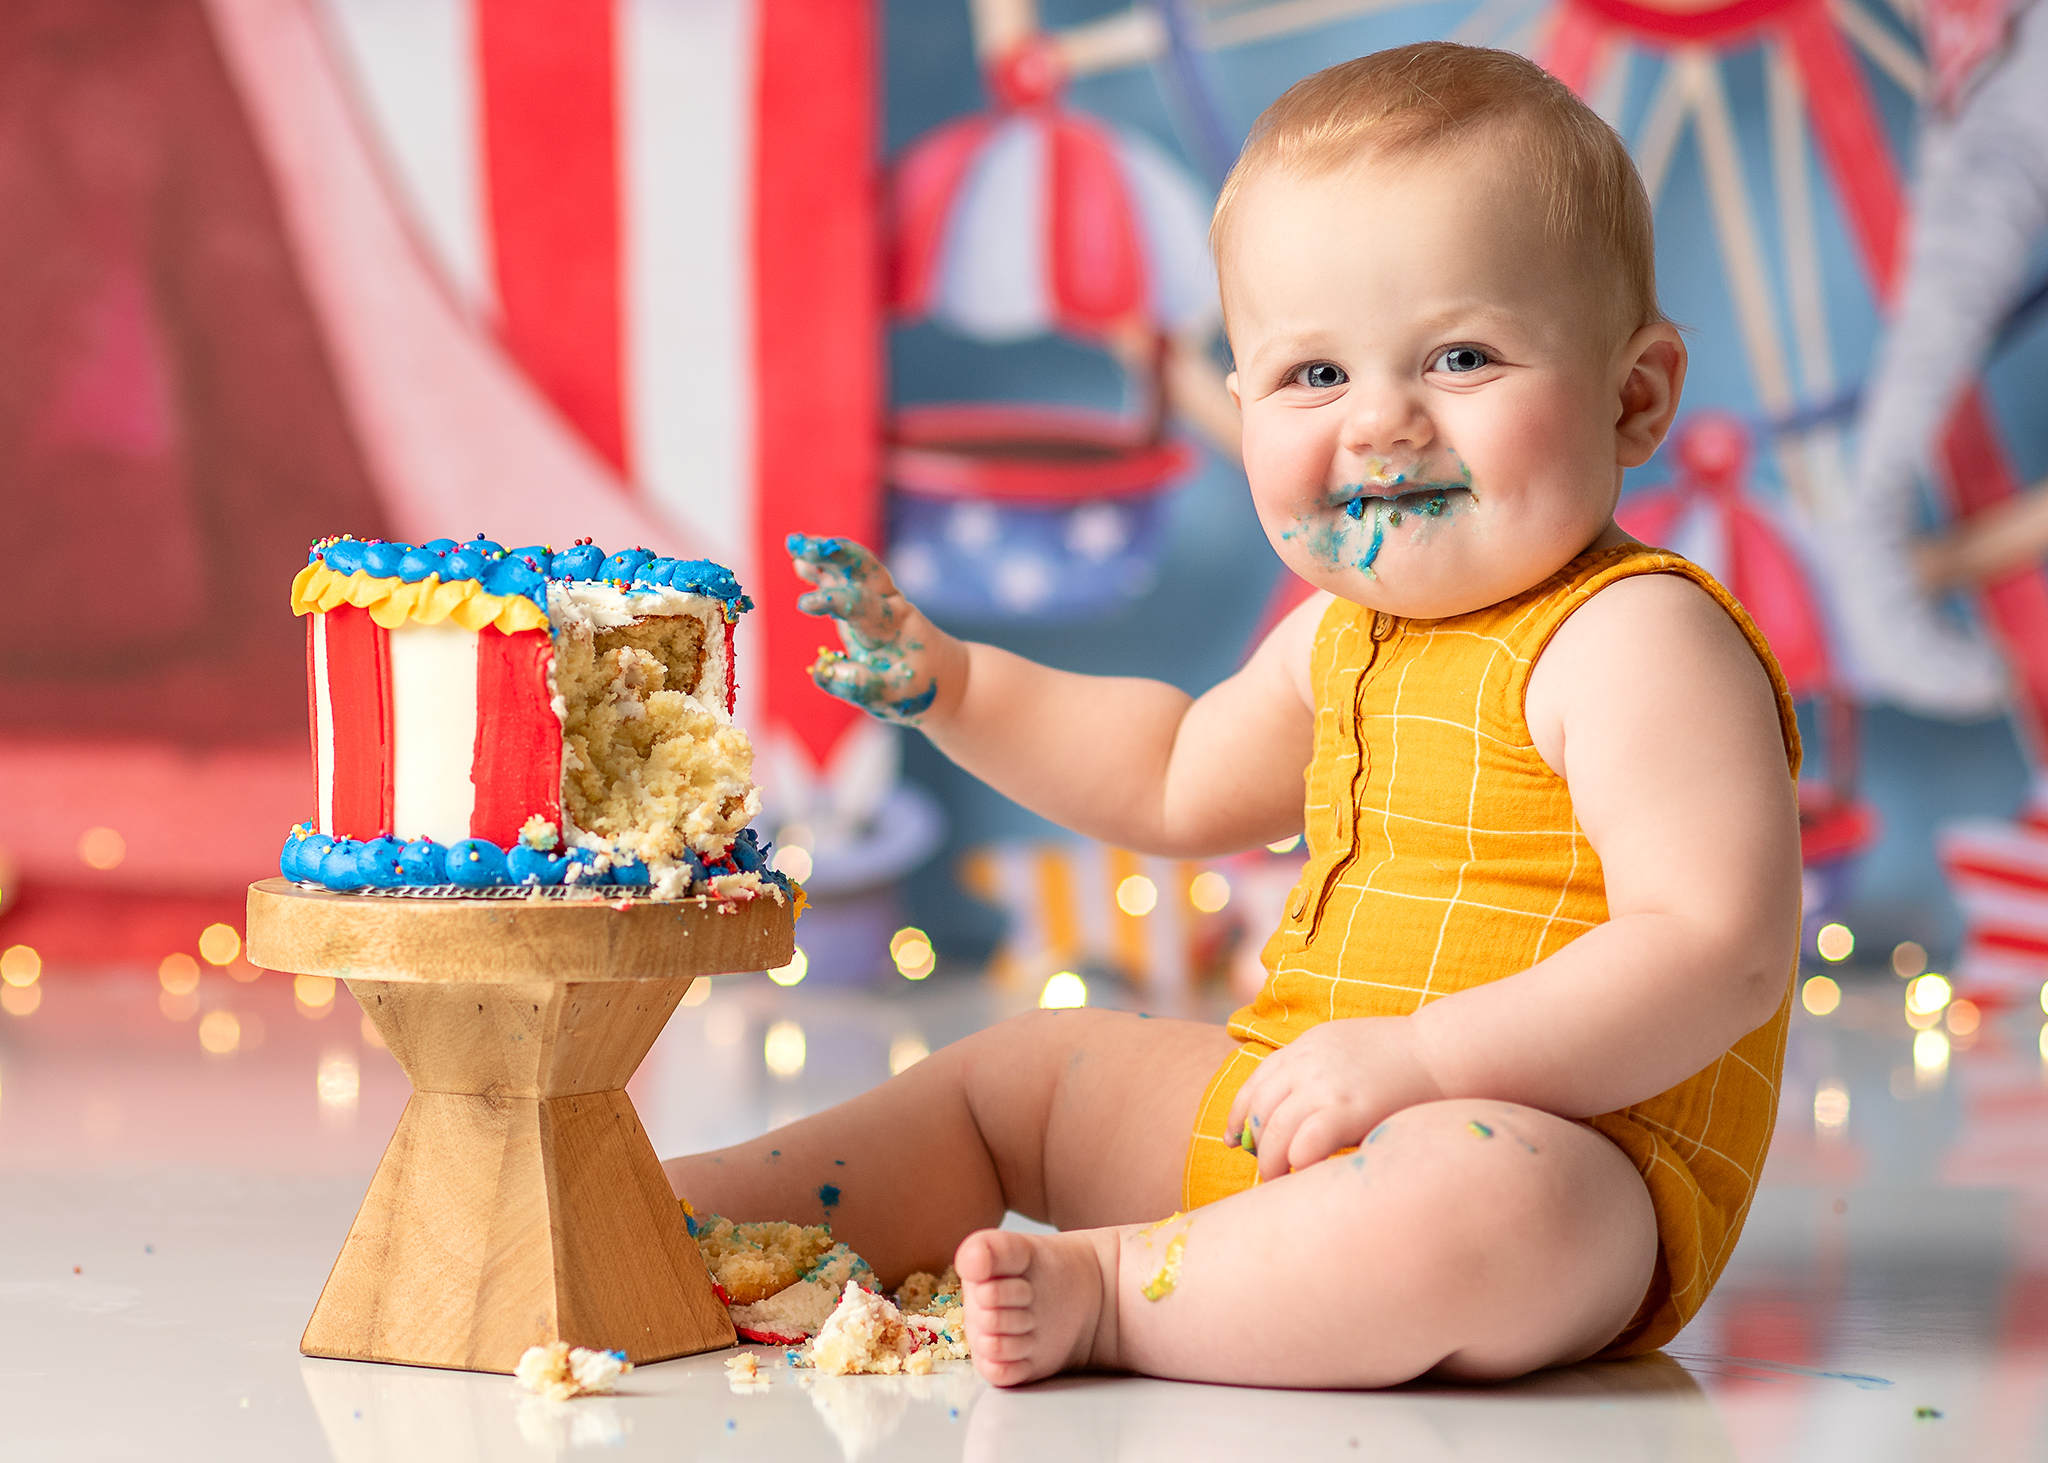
(1649, 651)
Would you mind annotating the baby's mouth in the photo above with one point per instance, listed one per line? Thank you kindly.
(1431, 500)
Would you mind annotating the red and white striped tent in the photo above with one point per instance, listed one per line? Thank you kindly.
(603, 267)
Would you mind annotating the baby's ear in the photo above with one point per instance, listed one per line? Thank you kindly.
(1230, 385)
(1655, 361)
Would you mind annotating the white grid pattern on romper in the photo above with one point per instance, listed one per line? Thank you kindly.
(1676, 1146)
(1505, 660)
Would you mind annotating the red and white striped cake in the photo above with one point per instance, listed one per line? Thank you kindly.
(582, 718)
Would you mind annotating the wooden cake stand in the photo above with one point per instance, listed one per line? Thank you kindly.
(519, 1201)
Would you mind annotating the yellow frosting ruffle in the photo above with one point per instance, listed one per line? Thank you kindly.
(391, 602)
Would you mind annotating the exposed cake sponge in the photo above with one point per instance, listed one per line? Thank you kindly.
(647, 766)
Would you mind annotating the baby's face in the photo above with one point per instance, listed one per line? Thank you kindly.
(1429, 387)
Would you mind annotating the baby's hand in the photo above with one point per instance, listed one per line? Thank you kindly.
(1327, 1089)
(886, 669)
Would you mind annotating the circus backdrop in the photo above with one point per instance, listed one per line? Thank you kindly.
(693, 273)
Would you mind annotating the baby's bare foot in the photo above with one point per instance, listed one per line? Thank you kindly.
(1039, 1303)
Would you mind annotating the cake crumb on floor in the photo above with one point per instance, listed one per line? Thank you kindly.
(560, 1371)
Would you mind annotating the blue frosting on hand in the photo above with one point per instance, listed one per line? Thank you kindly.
(528, 865)
(476, 863)
(423, 861)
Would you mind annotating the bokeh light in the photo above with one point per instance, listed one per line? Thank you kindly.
(1927, 995)
(338, 1081)
(1285, 845)
(219, 944)
(1831, 1108)
(178, 973)
(906, 1051)
(911, 949)
(1909, 958)
(698, 993)
(314, 994)
(21, 1000)
(1209, 891)
(1964, 1018)
(1930, 1058)
(799, 966)
(220, 1032)
(102, 848)
(793, 861)
(1820, 995)
(178, 1005)
(1835, 942)
(20, 965)
(372, 1037)
(1137, 895)
(1064, 992)
(783, 1050)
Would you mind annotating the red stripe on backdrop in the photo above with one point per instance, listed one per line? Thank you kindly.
(517, 764)
(817, 324)
(551, 168)
(1097, 263)
(1976, 470)
(359, 692)
(1577, 44)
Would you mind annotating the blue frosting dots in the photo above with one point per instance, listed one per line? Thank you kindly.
(528, 865)
(377, 863)
(338, 868)
(422, 862)
(476, 863)
(525, 571)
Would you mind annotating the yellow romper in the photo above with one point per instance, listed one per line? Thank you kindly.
(1442, 854)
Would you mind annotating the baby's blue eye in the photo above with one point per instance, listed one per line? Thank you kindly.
(1460, 359)
(1322, 376)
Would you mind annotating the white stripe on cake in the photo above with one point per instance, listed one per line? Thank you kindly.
(323, 726)
(433, 730)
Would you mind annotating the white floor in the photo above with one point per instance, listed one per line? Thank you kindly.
(167, 1216)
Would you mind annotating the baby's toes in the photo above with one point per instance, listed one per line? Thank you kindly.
(992, 1254)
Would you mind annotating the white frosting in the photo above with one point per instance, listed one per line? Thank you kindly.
(433, 730)
(604, 606)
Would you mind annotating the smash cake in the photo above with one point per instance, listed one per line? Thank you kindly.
(535, 721)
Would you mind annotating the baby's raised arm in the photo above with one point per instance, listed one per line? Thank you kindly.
(1133, 762)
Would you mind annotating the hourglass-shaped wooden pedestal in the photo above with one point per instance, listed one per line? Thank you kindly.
(520, 1201)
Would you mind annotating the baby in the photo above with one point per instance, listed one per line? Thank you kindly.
(1503, 1100)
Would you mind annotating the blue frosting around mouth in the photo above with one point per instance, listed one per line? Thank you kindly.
(525, 571)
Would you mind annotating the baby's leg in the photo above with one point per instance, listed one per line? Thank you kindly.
(1470, 1238)
(1077, 1118)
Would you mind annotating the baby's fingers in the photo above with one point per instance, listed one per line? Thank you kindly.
(813, 553)
(1262, 1092)
(841, 601)
(1320, 1134)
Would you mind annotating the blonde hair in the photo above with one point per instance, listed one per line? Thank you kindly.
(1435, 97)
